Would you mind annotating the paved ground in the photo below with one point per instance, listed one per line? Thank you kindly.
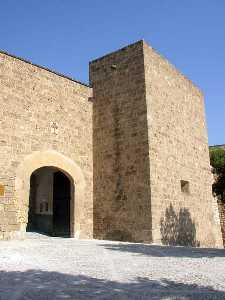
(56, 268)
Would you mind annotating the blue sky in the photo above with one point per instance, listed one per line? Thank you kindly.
(66, 35)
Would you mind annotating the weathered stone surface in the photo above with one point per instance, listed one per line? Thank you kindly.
(149, 178)
(149, 137)
(178, 151)
(122, 196)
(222, 217)
(41, 112)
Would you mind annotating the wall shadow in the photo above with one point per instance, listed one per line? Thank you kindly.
(164, 251)
(178, 228)
(38, 284)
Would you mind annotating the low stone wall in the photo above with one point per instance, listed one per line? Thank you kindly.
(221, 206)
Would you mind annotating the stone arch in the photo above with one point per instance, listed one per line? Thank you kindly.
(49, 158)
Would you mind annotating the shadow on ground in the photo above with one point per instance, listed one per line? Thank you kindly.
(37, 284)
(165, 251)
(176, 229)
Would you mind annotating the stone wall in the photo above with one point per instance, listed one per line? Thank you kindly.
(220, 199)
(41, 111)
(122, 207)
(180, 175)
(146, 176)
(152, 179)
(221, 206)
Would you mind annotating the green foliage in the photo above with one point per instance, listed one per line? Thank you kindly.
(217, 160)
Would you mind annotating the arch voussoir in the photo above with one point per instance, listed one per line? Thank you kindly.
(49, 158)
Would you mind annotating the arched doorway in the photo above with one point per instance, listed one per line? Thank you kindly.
(48, 158)
(50, 201)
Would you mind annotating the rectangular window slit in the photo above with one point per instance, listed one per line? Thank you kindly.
(185, 186)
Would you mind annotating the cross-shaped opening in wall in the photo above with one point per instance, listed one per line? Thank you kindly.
(54, 127)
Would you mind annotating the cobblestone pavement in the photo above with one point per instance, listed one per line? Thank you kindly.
(43, 267)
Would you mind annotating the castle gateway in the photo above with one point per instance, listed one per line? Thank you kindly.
(125, 158)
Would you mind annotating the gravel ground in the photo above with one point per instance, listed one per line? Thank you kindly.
(43, 267)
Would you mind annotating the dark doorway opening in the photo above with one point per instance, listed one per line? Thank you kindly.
(49, 202)
(61, 205)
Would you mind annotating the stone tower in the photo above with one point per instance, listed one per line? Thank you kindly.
(152, 179)
(125, 158)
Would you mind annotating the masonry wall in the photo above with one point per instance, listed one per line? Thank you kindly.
(178, 151)
(41, 111)
(152, 178)
(149, 179)
(122, 208)
(222, 217)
